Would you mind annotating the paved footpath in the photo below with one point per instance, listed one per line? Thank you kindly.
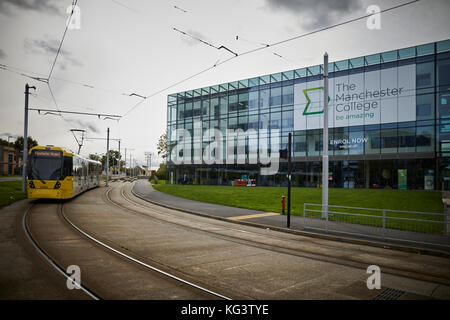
(423, 243)
(10, 179)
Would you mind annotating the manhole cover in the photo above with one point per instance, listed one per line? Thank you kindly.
(389, 294)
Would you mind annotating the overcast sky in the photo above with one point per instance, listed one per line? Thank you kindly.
(129, 46)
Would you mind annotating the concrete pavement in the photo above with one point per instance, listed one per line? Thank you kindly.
(10, 179)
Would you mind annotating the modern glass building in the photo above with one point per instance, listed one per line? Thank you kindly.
(389, 123)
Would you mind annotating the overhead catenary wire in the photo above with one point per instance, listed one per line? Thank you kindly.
(125, 6)
(40, 78)
(74, 3)
(178, 8)
(271, 51)
(204, 42)
(268, 46)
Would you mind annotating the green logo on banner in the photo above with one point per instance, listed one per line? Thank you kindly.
(305, 92)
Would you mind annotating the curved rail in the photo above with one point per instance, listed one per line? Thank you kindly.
(412, 274)
(48, 258)
(90, 237)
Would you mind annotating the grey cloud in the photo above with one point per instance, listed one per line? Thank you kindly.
(50, 47)
(191, 41)
(2, 54)
(7, 134)
(85, 125)
(316, 13)
(33, 5)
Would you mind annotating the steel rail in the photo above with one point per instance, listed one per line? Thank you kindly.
(322, 257)
(140, 262)
(48, 258)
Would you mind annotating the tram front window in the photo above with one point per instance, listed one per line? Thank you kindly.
(45, 165)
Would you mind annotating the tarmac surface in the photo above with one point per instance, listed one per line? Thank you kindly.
(237, 260)
(398, 239)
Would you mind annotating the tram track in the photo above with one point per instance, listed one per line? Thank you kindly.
(346, 259)
(89, 230)
(47, 257)
(43, 249)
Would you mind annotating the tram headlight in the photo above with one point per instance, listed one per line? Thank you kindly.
(31, 184)
(57, 185)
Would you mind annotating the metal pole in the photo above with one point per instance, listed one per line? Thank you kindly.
(289, 181)
(118, 169)
(107, 157)
(125, 164)
(325, 140)
(25, 140)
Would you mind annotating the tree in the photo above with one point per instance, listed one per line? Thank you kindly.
(4, 142)
(162, 146)
(18, 144)
(113, 159)
(161, 173)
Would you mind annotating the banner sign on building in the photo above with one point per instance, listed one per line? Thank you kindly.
(402, 179)
(373, 97)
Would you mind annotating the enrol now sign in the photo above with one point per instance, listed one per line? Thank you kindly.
(373, 97)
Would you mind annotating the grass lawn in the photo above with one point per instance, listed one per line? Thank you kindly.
(10, 191)
(269, 198)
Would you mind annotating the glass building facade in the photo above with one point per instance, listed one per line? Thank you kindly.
(389, 123)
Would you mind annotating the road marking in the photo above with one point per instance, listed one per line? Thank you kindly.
(257, 215)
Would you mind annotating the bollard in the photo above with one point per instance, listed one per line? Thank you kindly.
(283, 204)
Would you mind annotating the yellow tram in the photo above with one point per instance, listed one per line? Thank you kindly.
(58, 174)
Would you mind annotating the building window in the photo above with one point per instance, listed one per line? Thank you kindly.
(299, 146)
(275, 120)
(288, 121)
(444, 105)
(425, 75)
(389, 141)
(288, 95)
(264, 99)
(373, 141)
(425, 139)
(407, 139)
(253, 100)
(357, 142)
(340, 142)
(443, 73)
(223, 106)
(275, 97)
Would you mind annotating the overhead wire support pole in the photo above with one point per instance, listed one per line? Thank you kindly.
(107, 157)
(325, 140)
(125, 164)
(118, 169)
(25, 140)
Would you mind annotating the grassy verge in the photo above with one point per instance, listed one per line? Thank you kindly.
(10, 191)
(269, 199)
(159, 181)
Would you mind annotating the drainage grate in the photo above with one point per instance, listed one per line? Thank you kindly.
(389, 294)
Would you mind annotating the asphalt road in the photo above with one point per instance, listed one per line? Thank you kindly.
(238, 261)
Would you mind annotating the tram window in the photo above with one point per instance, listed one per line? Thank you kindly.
(45, 166)
(67, 167)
